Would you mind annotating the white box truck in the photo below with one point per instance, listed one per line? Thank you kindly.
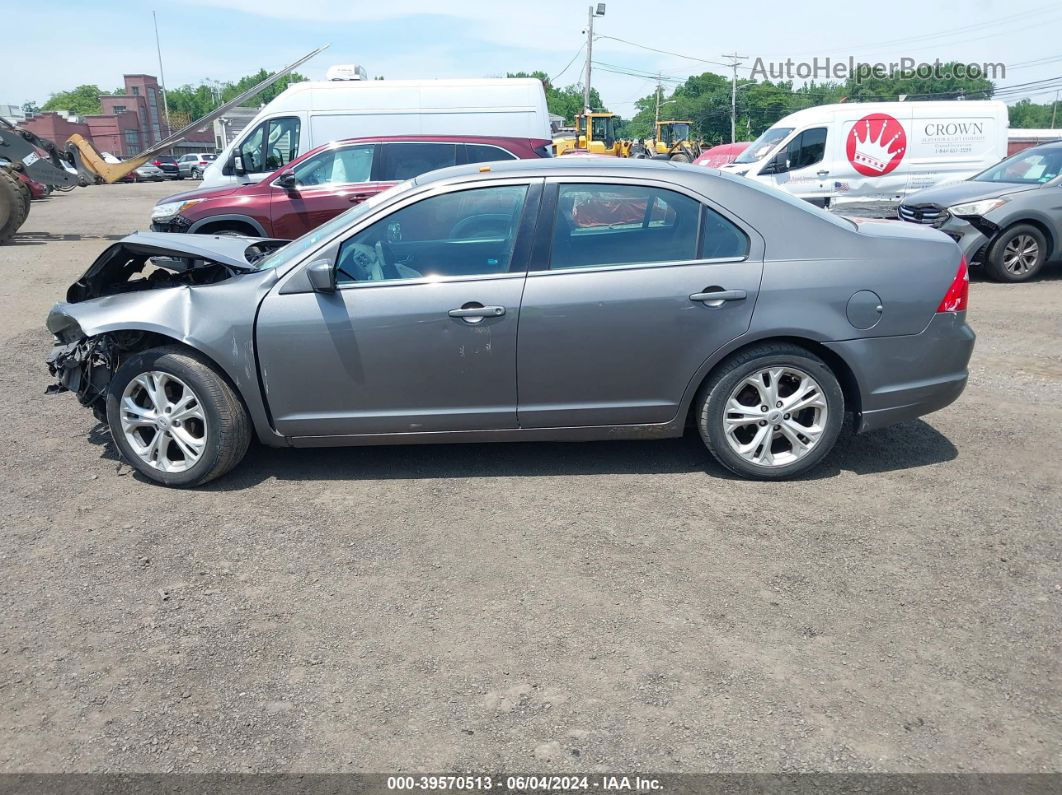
(312, 113)
(877, 151)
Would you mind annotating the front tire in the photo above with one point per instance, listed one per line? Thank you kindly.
(1017, 255)
(175, 419)
(771, 412)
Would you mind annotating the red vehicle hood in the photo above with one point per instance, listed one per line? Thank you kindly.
(205, 193)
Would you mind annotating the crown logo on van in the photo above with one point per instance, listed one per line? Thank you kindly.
(876, 155)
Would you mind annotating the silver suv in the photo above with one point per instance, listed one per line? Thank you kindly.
(193, 165)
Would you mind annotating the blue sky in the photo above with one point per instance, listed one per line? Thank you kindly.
(225, 39)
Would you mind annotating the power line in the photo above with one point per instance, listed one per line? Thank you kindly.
(553, 79)
(665, 52)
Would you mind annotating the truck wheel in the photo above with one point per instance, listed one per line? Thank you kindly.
(770, 412)
(175, 419)
(680, 158)
(13, 208)
(1017, 255)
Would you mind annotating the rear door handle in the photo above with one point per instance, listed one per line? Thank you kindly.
(719, 297)
(477, 312)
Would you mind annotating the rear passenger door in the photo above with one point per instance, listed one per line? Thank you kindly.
(618, 311)
(325, 185)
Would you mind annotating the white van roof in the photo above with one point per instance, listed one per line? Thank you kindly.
(819, 112)
(388, 94)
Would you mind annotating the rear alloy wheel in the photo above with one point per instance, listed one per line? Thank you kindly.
(1017, 255)
(196, 174)
(175, 419)
(771, 412)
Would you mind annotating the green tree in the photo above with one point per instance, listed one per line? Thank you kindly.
(891, 87)
(83, 100)
(567, 101)
(1025, 115)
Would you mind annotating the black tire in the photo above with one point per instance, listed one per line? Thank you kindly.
(715, 393)
(13, 207)
(680, 158)
(196, 174)
(998, 255)
(227, 428)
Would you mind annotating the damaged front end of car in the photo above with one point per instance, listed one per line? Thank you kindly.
(146, 290)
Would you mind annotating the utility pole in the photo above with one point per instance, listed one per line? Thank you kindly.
(737, 59)
(1054, 110)
(659, 88)
(591, 13)
(162, 76)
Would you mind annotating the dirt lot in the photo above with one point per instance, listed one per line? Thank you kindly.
(518, 607)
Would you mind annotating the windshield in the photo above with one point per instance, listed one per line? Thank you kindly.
(763, 145)
(1031, 167)
(300, 245)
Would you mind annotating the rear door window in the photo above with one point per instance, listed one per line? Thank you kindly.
(622, 225)
(404, 161)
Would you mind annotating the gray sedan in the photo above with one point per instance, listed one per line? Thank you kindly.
(1009, 217)
(573, 299)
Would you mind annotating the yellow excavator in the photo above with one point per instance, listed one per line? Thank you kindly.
(672, 140)
(595, 133)
(80, 164)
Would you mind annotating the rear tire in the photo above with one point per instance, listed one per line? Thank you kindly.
(206, 446)
(1016, 255)
(680, 158)
(196, 174)
(14, 208)
(773, 411)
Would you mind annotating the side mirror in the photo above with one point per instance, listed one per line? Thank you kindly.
(322, 276)
(237, 166)
(286, 180)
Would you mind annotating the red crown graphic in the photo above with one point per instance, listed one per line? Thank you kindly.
(874, 154)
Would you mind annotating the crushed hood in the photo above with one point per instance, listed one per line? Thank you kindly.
(968, 191)
(171, 253)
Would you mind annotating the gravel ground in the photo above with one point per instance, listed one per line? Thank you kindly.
(608, 606)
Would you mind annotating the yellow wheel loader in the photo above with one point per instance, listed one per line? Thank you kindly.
(595, 133)
(672, 141)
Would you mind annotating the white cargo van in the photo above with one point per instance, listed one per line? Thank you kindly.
(876, 151)
(309, 114)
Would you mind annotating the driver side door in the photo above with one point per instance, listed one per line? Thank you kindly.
(326, 184)
(420, 334)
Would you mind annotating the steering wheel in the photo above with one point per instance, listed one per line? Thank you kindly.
(481, 224)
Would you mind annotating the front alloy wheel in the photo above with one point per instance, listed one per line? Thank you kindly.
(175, 418)
(163, 421)
(1017, 255)
(772, 411)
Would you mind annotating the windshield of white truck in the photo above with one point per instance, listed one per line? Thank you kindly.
(763, 145)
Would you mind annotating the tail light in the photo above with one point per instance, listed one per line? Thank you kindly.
(958, 294)
(157, 163)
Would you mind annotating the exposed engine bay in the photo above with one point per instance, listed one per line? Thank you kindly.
(154, 260)
(85, 364)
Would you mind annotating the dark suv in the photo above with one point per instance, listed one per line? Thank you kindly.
(326, 181)
(168, 166)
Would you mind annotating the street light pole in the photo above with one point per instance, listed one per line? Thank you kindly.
(162, 76)
(591, 13)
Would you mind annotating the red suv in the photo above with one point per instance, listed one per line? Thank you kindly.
(326, 181)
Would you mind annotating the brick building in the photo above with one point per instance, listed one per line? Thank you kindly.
(128, 124)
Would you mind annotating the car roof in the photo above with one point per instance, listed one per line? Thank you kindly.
(568, 166)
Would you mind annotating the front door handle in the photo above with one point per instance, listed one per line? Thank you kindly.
(823, 173)
(473, 313)
(719, 297)
(357, 197)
